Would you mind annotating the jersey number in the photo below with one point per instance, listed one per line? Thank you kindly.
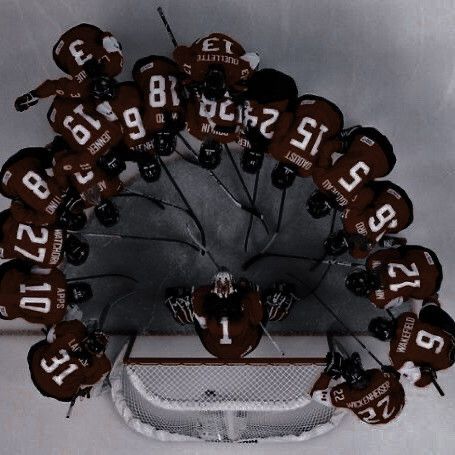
(307, 135)
(36, 184)
(225, 326)
(384, 216)
(252, 120)
(427, 340)
(78, 54)
(133, 119)
(356, 178)
(158, 94)
(38, 304)
(80, 133)
(40, 240)
(56, 362)
(369, 415)
(411, 271)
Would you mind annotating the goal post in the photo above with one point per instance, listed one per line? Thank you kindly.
(177, 397)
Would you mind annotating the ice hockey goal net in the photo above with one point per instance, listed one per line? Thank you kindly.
(198, 398)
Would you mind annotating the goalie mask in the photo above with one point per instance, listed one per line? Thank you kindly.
(223, 284)
(95, 343)
(214, 85)
(353, 372)
(382, 328)
(361, 282)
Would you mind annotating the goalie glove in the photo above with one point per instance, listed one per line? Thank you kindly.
(279, 300)
(26, 101)
(178, 300)
(334, 364)
(111, 163)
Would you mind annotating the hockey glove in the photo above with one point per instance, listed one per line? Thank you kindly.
(334, 364)
(111, 163)
(178, 300)
(283, 176)
(318, 205)
(252, 160)
(279, 300)
(210, 154)
(336, 244)
(149, 168)
(76, 250)
(107, 213)
(26, 101)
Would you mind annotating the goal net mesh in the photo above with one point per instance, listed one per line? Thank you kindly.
(198, 399)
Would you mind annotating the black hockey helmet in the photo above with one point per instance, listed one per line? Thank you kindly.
(353, 372)
(79, 292)
(361, 282)
(382, 328)
(214, 84)
(95, 343)
(103, 88)
(318, 205)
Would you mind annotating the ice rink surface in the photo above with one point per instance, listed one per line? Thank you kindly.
(387, 64)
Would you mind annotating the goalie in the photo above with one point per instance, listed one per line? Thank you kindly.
(229, 315)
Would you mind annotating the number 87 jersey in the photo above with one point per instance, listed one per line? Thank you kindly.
(312, 137)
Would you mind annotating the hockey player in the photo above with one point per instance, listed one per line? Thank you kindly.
(419, 345)
(87, 131)
(374, 396)
(227, 315)
(69, 362)
(268, 104)
(126, 107)
(44, 246)
(216, 64)
(37, 295)
(163, 100)
(310, 140)
(367, 155)
(36, 198)
(89, 56)
(394, 275)
(79, 172)
(380, 208)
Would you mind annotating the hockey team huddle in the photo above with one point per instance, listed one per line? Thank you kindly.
(214, 90)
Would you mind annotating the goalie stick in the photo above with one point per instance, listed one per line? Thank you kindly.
(250, 222)
(250, 210)
(258, 257)
(102, 275)
(274, 343)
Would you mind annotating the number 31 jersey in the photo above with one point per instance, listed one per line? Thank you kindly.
(409, 271)
(312, 137)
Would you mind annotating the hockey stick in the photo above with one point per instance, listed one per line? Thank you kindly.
(245, 189)
(103, 275)
(139, 237)
(274, 343)
(167, 26)
(258, 257)
(71, 406)
(189, 210)
(332, 227)
(236, 202)
(250, 222)
(158, 202)
(348, 330)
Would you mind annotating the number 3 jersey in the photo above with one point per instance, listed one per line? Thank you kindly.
(380, 207)
(224, 338)
(83, 127)
(369, 156)
(415, 344)
(39, 245)
(36, 196)
(38, 297)
(409, 271)
(380, 402)
(312, 137)
(57, 368)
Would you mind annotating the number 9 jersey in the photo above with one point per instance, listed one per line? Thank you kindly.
(162, 95)
(409, 271)
(312, 137)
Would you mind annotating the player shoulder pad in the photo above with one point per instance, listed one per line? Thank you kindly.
(150, 61)
(308, 97)
(269, 85)
(15, 264)
(4, 216)
(40, 153)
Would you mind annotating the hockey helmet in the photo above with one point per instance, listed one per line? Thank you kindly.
(103, 88)
(96, 343)
(318, 205)
(353, 372)
(214, 84)
(382, 328)
(79, 292)
(361, 282)
(164, 143)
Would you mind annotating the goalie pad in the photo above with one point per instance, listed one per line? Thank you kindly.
(178, 300)
(279, 300)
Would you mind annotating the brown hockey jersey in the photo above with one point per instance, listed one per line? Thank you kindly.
(380, 402)
(79, 171)
(369, 156)
(224, 338)
(83, 43)
(38, 297)
(58, 370)
(217, 49)
(409, 271)
(82, 127)
(379, 208)
(24, 177)
(162, 94)
(127, 109)
(418, 344)
(40, 245)
(312, 136)
(219, 120)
